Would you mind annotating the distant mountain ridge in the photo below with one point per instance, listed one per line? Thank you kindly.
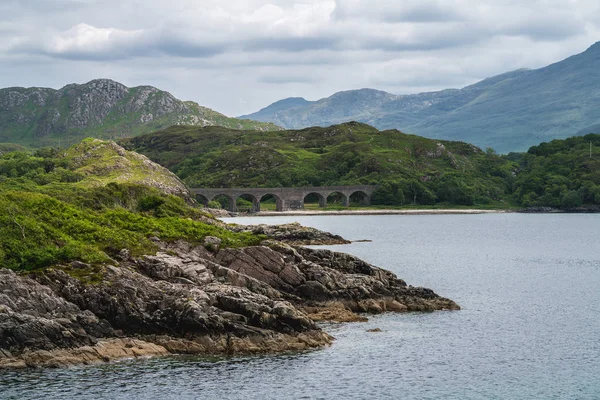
(509, 112)
(101, 108)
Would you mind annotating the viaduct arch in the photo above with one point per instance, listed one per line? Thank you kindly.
(286, 198)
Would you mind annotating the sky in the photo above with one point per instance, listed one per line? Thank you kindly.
(238, 56)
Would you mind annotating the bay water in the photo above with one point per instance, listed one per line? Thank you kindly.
(529, 328)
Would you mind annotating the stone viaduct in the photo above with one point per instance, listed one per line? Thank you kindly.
(285, 198)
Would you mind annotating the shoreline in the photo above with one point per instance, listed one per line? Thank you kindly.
(369, 212)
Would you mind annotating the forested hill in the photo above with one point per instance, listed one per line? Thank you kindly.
(560, 173)
(408, 168)
(101, 108)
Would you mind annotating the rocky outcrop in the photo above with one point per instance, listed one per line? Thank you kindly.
(193, 299)
(294, 234)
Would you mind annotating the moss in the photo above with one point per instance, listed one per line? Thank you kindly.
(92, 275)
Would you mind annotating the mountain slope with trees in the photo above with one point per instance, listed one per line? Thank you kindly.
(560, 173)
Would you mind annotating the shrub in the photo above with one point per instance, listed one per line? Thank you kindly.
(214, 204)
(150, 203)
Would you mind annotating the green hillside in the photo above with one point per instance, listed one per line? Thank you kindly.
(409, 169)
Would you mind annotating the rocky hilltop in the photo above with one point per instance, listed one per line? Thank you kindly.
(101, 108)
(100, 162)
(193, 299)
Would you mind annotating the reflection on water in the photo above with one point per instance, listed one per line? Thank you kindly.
(528, 285)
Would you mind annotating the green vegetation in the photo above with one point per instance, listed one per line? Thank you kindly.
(409, 169)
(561, 173)
(94, 199)
(50, 213)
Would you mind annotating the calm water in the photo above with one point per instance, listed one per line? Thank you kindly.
(529, 286)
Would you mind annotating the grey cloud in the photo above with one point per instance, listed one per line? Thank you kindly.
(181, 48)
(550, 29)
(293, 44)
(421, 44)
(47, 6)
(421, 11)
(285, 79)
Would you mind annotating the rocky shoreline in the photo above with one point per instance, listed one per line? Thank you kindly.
(591, 209)
(196, 299)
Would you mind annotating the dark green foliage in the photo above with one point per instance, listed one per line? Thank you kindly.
(214, 204)
(453, 189)
(408, 169)
(560, 173)
(149, 203)
(570, 199)
(390, 193)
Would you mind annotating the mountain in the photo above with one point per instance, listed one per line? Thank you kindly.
(509, 112)
(101, 108)
(281, 105)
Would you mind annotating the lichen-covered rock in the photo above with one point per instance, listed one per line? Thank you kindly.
(32, 316)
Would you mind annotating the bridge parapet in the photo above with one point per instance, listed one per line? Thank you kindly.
(286, 198)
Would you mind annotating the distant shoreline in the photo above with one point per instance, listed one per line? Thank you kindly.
(369, 212)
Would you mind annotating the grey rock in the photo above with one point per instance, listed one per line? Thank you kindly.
(188, 295)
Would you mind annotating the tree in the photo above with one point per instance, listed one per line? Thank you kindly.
(570, 200)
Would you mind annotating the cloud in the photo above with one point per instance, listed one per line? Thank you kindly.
(287, 79)
(88, 42)
(205, 50)
(205, 29)
(391, 11)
